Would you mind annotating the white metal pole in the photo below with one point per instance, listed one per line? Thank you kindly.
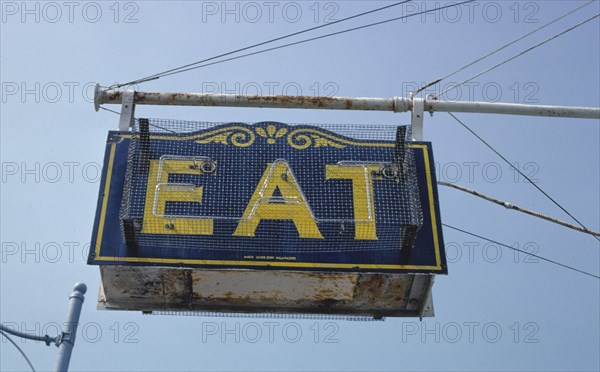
(67, 340)
(512, 109)
(235, 100)
(395, 104)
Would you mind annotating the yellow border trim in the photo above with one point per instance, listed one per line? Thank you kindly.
(431, 204)
(291, 133)
(299, 132)
(269, 263)
(111, 160)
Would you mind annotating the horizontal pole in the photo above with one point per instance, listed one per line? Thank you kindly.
(235, 100)
(395, 104)
(512, 109)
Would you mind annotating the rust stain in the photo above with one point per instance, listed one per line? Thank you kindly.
(213, 100)
(112, 96)
(297, 100)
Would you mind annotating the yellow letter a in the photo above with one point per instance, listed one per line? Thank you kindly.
(290, 206)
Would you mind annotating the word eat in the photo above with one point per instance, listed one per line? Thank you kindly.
(291, 205)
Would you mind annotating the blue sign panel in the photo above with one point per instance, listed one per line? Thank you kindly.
(268, 196)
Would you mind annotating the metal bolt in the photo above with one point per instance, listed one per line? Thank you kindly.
(389, 172)
(208, 167)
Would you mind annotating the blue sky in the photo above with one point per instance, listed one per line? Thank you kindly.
(494, 311)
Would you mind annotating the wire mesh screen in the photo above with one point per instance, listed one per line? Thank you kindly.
(270, 316)
(269, 189)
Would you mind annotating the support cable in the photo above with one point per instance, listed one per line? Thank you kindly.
(503, 47)
(522, 251)
(109, 110)
(519, 209)
(18, 348)
(47, 339)
(152, 125)
(193, 65)
(156, 76)
(519, 54)
(519, 171)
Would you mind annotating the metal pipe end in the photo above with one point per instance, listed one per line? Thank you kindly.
(97, 97)
(80, 287)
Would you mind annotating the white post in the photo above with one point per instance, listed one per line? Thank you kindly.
(67, 338)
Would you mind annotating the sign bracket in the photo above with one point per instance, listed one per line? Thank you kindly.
(127, 110)
(418, 109)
